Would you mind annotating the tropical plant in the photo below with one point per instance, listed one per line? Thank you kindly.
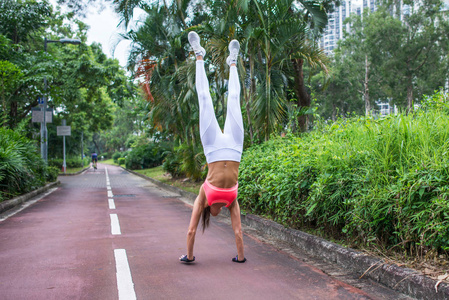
(21, 168)
(274, 36)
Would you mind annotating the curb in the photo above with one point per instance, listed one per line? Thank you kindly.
(72, 174)
(8, 204)
(404, 280)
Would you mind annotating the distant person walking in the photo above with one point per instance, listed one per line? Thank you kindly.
(223, 150)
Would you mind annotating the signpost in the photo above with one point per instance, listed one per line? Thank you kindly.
(64, 131)
(37, 115)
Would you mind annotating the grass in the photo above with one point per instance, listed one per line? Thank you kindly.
(73, 170)
(108, 162)
(159, 174)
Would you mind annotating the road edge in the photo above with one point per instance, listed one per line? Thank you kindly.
(14, 202)
(76, 173)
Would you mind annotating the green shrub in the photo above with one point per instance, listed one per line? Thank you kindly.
(382, 181)
(116, 156)
(172, 164)
(74, 162)
(52, 174)
(121, 161)
(70, 162)
(55, 162)
(146, 156)
(186, 161)
(21, 167)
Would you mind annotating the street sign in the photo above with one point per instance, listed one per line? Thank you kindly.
(63, 130)
(40, 100)
(38, 116)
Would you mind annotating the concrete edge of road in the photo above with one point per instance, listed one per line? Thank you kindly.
(72, 174)
(12, 203)
(404, 280)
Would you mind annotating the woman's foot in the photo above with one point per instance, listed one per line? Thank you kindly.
(194, 40)
(234, 48)
(184, 258)
(236, 259)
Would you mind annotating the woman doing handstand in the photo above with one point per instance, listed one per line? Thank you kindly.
(223, 151)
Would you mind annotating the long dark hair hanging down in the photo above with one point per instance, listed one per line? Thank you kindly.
(205, 218)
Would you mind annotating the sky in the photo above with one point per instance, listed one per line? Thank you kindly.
(103, 30)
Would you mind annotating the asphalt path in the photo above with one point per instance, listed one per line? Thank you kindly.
(108, 234)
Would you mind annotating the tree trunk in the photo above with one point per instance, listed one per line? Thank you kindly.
(96, 146)
(409, 95)
(334, 112)
(301, 92)
(366, 90)
(4, 111)
(13, 115)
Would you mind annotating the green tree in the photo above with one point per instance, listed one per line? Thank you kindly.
(385, 58)
(10, 76)
(84, 85)
(21, 18)
(412, 48)
(358, 61)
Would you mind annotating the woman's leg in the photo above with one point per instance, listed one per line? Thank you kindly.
(209, 128)
(234, 120)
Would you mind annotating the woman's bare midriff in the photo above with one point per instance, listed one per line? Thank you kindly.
(223, 174)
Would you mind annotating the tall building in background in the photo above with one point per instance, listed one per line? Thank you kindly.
(334, 29)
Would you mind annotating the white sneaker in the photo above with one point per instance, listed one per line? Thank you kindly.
(194, 40)
(234, 48)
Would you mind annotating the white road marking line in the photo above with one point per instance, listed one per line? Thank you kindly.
(108, 187)
(111, 203)
(125, 283)
(110, 195)
(115, 225)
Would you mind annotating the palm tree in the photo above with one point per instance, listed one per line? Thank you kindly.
(276, 38)
(283, 41)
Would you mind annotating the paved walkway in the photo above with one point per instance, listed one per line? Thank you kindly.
(108, 234)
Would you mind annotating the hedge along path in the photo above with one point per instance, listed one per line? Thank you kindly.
(372, 182)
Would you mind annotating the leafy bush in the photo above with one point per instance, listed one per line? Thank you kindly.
(52, 174)
(55, 162)
(116, 156)
(121, 161)
(21, 167)
(382, 181)
(70, 162)
(186, 160)
(146, 156)
(172, 165)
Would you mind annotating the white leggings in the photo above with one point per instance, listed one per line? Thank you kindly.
(218, 145)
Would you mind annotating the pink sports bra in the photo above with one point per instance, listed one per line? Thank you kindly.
(220, 195)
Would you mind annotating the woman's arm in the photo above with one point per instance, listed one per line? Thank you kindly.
(234, 210)
(198, 207)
